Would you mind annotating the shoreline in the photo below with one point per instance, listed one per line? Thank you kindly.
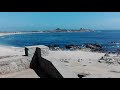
(13, 33)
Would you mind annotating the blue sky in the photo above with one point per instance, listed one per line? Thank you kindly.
(17, 21)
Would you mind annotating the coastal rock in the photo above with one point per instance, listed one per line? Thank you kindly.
(108, 60)
(54, 47)
(94, 47)
(115, 42)
(72, 47)
(81, 75)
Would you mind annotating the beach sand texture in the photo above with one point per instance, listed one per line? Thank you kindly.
(78, 62)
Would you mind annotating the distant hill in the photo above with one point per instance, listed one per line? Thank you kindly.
(70, 30)
(56, 30)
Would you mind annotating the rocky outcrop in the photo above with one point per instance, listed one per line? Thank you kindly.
(110, 59)
(54, 47)
(94, 47)
(115, 42)
(72, 47)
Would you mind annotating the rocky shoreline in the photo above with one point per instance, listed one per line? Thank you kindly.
(86, 47)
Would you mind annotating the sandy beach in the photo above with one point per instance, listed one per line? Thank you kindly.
(12, 33)
(8, 33)
(79, 62)
(86, 63)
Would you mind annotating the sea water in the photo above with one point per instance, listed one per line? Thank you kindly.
(109, 39)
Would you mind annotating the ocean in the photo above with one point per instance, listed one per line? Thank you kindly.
(109, 39)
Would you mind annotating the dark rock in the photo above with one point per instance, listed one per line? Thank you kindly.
(99, 61)
(115, 71)
(114, 42)
(69, 46)
(107, 54)
(72, 46)
(94, 47)
(101, 58)
(80, 76)
(54, 47)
